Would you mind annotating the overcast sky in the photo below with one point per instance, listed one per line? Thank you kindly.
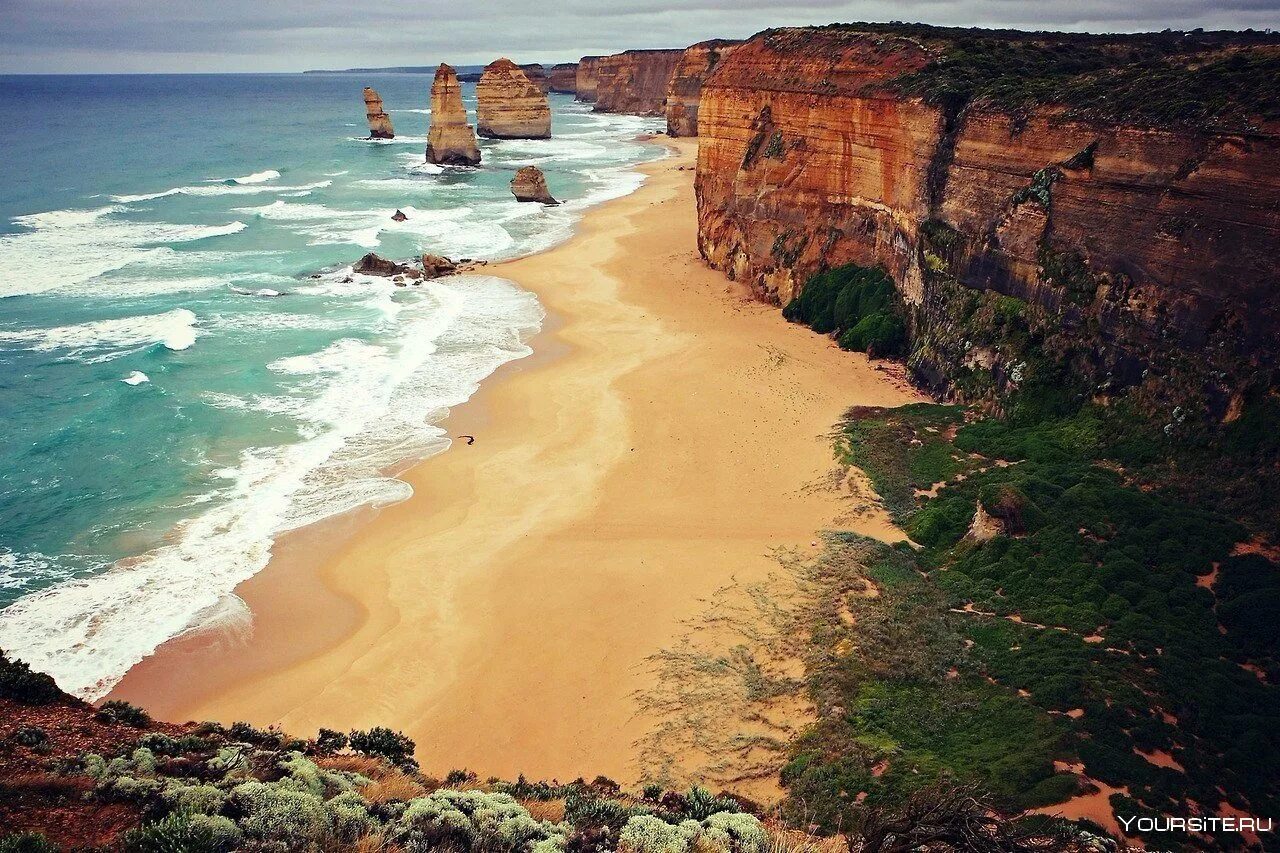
(294, 35)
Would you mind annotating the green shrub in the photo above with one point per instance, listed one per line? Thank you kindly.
(860, 305)
(879, 334)
(380, 742)
(26, 842)
(32, 737)
(701, 803)
(329, 741)
(195, 799)
(183, 833)
(22, 684)
(119, 711)
(474, 822)
(273, 812)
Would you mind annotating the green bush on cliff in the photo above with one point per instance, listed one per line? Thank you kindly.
(22, 684)
(1090, 617)
(859, 305)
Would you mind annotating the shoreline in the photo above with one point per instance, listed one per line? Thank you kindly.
(502, 616)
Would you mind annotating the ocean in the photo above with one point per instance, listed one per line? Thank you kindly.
(185, 370)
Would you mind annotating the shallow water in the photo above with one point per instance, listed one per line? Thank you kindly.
(184, 373)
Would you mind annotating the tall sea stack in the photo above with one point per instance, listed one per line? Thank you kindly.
(510, 106)
(451, 141)
(379, 121)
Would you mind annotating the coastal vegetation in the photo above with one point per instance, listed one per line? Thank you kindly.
(860, 306)
(1064, 620)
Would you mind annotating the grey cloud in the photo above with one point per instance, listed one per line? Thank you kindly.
(289, 35)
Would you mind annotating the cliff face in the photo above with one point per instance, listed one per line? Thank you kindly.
(379, 121)
(563, 78)
(584, 83)
(685, 90)
(635, 82)
(509, 106)
(537, 76)
(1132, 252)
(451, 141)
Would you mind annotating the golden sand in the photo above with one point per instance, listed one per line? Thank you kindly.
(666, 436)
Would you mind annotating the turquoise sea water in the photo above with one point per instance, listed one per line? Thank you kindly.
(184, 372)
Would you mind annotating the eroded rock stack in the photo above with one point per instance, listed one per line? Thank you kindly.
(686, 84)
(451, 141)
(584, 83)
(530, 184)
(379, 121)
(510, 106)
(564, 78)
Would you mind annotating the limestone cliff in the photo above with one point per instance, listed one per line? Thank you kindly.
(563, 78)
(537, 76)
(584, 84)
(379, 121)
(635, 81)
(1130, 251)
(686, 84)
(509, 106)
(451, 141)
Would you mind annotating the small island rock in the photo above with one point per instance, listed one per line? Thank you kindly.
(530, 184)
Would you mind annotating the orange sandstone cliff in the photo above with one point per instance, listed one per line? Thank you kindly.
(537, 76)
(1140, 252)
(450, 141)
(584, 83)
(635, 81)
(685, 90)
(563, 78)
(509, 105)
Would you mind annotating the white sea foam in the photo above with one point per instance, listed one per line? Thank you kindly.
(258, 177)
(233, 188)
(104, 340)
(87, 244)
(364, 407)
(137, 377)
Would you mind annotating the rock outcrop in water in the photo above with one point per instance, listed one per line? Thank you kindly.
(563, 78)
(379, 121)
(635, 81)
(530, 184)
(685, 90)
(1133, 250)
(509, 105)
(584, 83)
(451, 141)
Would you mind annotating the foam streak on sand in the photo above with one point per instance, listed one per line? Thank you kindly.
(364, 407)
(662, 445)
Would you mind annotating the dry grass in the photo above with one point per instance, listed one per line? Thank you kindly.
(393, 787)
(373, 844)
(550, 810)
(784, 840)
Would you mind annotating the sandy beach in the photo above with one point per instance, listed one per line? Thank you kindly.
(667, 434)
